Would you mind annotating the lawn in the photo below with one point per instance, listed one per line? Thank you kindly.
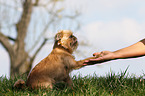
(110, 85)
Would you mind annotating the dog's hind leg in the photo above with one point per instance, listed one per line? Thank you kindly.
(45, 85)
(68, 81)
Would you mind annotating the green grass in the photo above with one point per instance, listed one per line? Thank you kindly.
(110, 85)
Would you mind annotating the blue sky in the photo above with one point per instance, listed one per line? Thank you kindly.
(106, 25)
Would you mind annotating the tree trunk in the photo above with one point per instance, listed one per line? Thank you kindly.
(19, 64)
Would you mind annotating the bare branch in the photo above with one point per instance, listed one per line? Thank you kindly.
(33, 57)
(9, 6)
(10, 38)
(7, 26)
(23, 24)
(45, 29)
(36, 3)
(4, 40)
(52, 19)
(47, 2)
(72, 17)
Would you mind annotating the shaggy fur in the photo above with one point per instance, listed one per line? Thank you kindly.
(57, 65)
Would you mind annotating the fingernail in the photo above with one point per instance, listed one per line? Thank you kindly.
(87, 61)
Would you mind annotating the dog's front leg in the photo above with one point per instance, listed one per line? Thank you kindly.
(73, 64)
(80, 63)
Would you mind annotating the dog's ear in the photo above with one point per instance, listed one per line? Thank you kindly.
(58, 36)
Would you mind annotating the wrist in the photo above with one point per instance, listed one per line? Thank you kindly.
(117, 55)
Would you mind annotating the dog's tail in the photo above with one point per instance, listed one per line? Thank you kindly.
(19, 84)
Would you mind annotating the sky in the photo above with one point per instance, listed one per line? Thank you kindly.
(105, 25)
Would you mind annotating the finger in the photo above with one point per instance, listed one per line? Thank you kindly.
(97, 53)
(85, 64)
(86, 61)
(97, 59)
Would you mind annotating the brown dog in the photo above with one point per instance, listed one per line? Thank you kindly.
(57, 65)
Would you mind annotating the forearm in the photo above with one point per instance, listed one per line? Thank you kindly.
(135, 50)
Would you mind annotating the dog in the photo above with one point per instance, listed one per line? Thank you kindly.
(57, 65)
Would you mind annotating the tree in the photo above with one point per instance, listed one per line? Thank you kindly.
(22, 52)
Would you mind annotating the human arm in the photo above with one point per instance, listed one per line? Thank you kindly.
(135, 50)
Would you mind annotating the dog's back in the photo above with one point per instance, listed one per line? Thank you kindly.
(51, 69)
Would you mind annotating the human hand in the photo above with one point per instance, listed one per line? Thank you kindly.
(100, 57)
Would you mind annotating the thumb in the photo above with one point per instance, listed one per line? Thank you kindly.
(97, 53)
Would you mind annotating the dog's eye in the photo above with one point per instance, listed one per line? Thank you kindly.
(58, 36)
(70, 36)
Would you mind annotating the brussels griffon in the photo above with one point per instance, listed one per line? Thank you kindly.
(57, 65)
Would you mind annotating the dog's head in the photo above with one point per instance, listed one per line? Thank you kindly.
(66, 40)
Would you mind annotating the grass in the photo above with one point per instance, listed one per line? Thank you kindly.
(110, 85)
